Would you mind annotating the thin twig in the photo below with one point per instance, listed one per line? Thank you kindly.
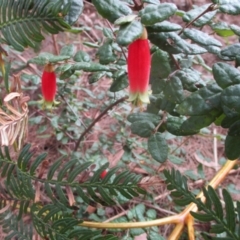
(55, 44)
(96, 120)
(209, 9)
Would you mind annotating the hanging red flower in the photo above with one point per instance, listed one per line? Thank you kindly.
(139, 63)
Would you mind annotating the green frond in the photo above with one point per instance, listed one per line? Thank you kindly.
(212, 210)
(56, 220)
(13, 226)
(23, 22)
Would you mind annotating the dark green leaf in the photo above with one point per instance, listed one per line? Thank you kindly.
(76, 8)
(230, 99)
(232, 7)
(230, 211)
(191, 79)
(164, 26)
(235, 29)
(216, 202)
(217, 228)
(153, 14)
(119, 83)
(234, 129)
(201, 37)
(125, 19)
(201, 102)
(68, 50)
(96, 76)
(144, 116)
(106, 54)
(129, 32)
(232, 149)
(173, 90)
(111, 9)
(81, 56)
(174, 127)
(202, 216)
(225, 74)
(90, 67)
(160, 66)
(231, 51)
(174, 44)
(229, 120)
(158, 148)
(195, 123)
(192, 14)
(142, 128)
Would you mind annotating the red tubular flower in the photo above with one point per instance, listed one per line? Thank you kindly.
(103, 174)
(139, 63)
(49, 85)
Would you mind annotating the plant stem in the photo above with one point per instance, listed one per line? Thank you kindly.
(96, 120)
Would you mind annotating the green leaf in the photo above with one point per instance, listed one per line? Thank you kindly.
(111, 9)
(202, 216)
(174, 127)
(230, 99)
(173, 90)
(158, 148)
(217, 228)
(106, 54)
(222, 29)
(232, 7)
(119, 83)
(129, 32)
(190, 78)
(81, 56)
(201, 37)
(96, 76)
(192, 14)
(90, 67)
(157, 2)
(230, 211)
(231, 51)
(201, 102)
(144, 116)
(142, 128)
(76, 8)
(152, 14)
(172, 43)
(195, 123)
(225, 74)
(216, 202)
(160, 66)
(68, 50)
(232, 149)
(234, 129)
(235, 29)
(229, 120)
(164, 26)
(125, 19)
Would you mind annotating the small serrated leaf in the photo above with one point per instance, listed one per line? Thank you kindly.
(153, 14)
(142, 128)
(129, 32)
(158, 148)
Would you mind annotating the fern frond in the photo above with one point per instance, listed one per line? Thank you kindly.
(211, 210)
(22, 22)
(13, 226)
